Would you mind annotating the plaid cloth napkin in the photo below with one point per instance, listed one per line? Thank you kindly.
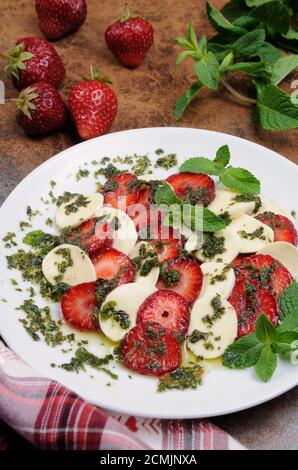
(52, 417)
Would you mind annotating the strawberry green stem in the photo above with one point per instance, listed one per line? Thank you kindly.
(127, 14)
(239, 96)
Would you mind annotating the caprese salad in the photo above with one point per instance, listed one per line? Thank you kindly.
(155, 287)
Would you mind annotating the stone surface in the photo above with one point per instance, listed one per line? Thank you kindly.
(146, 97)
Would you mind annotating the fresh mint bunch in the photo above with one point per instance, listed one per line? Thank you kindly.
(262, 348)
(249, 34)
(237, 179)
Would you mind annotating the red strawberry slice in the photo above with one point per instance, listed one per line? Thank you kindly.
(192, 187)
(112, 263)
(150, 349)
(183, 276)
(78, 304)
(118, 192)
(265, 270)
(167, 248)
(249, 301)
(147, 220)
(145, 196)
(94, 235)
(167, 308)
(284, 230)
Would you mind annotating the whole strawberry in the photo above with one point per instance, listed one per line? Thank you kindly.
(129, 39)
(41, 109)
(57, 18)
(93, 106)
(34, 59)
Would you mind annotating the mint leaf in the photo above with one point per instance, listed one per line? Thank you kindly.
(264, 330)
(285, 343)
(287, 41)
(268, 53)
(223, 156)
(289, 323)
(239, 179)
(203, 218)
(207, 69)
(220, 23)
(243, 353)
(274, 14)
(275, 110)
(249, 44)
(184, 101)
(255, 69)
(234, 9)
(256, 3)
(165, 194)
(288, 300)
(283, 67)
(200, 165)
(212, 222)
(34, 238)
(266, 364)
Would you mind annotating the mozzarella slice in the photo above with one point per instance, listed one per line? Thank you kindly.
(69, 264)
(70, 214)
(149, 177)
(128, 298)
(254, 234)
(225, 201)
(124, 239)
(231, 247)
(213, 337)
(284, 252)
(219, 278)
(271, 206)
(153, 275)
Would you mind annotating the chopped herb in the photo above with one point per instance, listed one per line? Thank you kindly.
(159, 151)
(31, 213)
(142, 165)
(111, 185)
(82, 173)
(220, 277)
(9, 240)
(49, 222)
(108, 172)
(148, 265)
(225, 216)
(218, 309)
(212, 245)
(53, 184)
(121, 317)
(24, 225)
(79, 201)
(38, 323)
(167, 162)
(258, 233)
(67, 262)
(181, 379)
(170, 277)
(197, 335)
(4, 300)
(83, 358)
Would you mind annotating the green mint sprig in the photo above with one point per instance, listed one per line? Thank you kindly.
(237, 179)
(247, 35)
(166, 197)
(262, 348)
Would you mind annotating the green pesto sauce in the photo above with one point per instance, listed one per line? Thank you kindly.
(182, 378)
(212, 245)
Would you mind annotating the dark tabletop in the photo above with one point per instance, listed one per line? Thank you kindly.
(146, 97)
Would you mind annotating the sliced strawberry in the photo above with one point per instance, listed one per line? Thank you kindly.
(267, 271)
(238, 260)
(118, 191)
(250, 301)
(167, 248)
(145, 196)
(193, 187)
(284, 230)
(150, 349)
(167, 308)
(112, 263)
(78, 304)
(94, 236)
(183, 276)
(147, 220)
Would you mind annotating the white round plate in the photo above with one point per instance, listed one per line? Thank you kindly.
(223, 390)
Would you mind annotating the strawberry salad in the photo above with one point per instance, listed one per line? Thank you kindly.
(157, 288)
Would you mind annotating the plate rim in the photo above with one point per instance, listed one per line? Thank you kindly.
(51, 160)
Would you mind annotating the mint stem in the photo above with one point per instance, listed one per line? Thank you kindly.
(244, 99)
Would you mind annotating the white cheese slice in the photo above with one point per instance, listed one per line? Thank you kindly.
(68, 216)
(81, 268)
(284, 252)
(225, 202)
(219, 278)
(153, 275)
(254, 234)
(231, 245)
(125, 238)
(149, 177)
(128, 297)
(217, 335)
(271, 206)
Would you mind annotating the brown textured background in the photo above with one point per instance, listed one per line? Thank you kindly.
(146, 97)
